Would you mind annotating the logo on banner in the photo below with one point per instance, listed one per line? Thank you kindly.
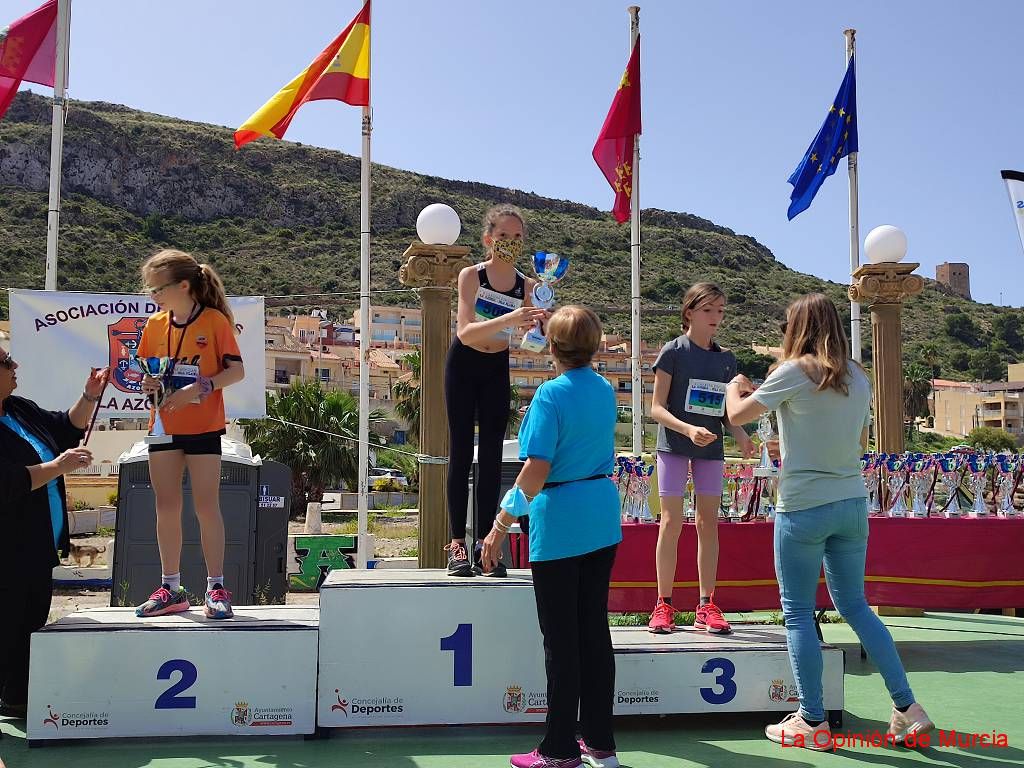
(241, 715)
(124, 338)
(342, 704)
(76, 719)
(779, 693)
(638, 696)
(517, 701)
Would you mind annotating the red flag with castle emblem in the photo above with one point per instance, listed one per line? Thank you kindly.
(613, 151)
(28, 51)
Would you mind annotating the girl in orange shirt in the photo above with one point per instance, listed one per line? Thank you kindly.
(195, 328)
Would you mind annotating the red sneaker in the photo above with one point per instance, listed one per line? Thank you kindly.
(662, 619)
(709, 618)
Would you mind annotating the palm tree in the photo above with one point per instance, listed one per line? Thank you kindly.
(406, 394)
(929, 357)
(319, 459)
(916, 387)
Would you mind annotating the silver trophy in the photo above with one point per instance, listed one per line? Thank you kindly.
(897, 483)
(949, 474)
(550, 268)
(765, 432)
(920, 482)
(158, 368)
(978, 465)
(689, 503)
(870, 467)
(1008, 467)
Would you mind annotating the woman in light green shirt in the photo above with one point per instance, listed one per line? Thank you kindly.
(822, 399)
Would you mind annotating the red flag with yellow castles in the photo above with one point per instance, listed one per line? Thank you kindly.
(613, 151)
(341, 71)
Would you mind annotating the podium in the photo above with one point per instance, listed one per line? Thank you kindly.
(104, 673)
(418, 647)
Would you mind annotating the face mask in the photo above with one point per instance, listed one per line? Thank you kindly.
(508, 251)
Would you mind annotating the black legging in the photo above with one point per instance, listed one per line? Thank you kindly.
(476, 388)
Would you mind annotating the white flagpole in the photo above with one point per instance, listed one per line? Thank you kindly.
(855, 343)
(634, 248)
(364, 332)
(60, 88)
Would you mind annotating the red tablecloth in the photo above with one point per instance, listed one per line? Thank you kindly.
(934, 564)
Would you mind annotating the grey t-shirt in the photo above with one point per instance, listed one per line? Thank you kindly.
(819, 436)
(686, 362)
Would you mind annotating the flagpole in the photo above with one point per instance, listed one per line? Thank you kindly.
(60, 83)
(364, 336)
(855, 342)
(634, 248)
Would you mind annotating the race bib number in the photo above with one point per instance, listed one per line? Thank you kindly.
(706, 397)
(183, 376)
(491, 304)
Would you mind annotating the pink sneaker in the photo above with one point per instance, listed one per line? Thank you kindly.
(794, 731)
(597, 758)
(536, 760)
(662, 619)
(709, 618)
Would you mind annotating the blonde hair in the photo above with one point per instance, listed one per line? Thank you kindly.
(816, 341)
(575, 335)
(204, 283)
(496, 212)
(698, 294)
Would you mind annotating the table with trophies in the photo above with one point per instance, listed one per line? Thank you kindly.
(945, 533)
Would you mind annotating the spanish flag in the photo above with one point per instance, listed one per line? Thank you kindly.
(613, 151)
(341, 71)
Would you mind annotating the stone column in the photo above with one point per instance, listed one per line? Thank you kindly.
(433, 269)
(884, 287)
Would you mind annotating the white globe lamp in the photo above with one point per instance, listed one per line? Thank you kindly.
(438, 224)
(885, 244)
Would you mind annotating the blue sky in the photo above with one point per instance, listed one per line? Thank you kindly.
(513, 93)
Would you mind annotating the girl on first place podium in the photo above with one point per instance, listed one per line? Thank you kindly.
(195, 328)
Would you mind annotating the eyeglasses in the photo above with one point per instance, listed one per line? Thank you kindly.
(8, 363)
(155, 291)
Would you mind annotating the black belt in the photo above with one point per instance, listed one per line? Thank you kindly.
(581, 480)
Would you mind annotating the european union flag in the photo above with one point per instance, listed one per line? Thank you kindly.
(836, 139)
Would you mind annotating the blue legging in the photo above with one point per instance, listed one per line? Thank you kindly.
(838, 534)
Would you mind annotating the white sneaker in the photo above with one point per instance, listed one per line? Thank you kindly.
(794, 731)
(915, 720)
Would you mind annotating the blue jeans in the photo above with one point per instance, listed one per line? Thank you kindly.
(838, 534)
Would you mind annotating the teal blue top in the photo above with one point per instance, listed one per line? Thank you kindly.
(571, 424)
(45, 454)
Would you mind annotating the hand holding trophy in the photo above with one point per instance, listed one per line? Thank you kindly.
(157, 367)
(550, 268)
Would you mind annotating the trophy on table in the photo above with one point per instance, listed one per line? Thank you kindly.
(765, 432)
(978, 465)
(1008, 468)
(897, 482)
(949, 474)
(870, 466)
(550, 268)
(920, 484)
(689, 503)
(746, 492)
(732, 481)
(156, 367)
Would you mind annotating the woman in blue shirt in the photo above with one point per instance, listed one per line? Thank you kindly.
(37, 448)
(568, 443)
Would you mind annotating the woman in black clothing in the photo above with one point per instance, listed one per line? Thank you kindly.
(37, 448)
(494, 299)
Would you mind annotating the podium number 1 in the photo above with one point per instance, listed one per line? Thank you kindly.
(461, 643)
(170, 699)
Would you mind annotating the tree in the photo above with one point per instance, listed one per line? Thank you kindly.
(916, 388)
(960, 326)
(320, 457)
(406, 393)
(751, 364)
(1007, 327)
(991, 439)
(960, 361)
(986, 365)
(928, 355)
(406, 464)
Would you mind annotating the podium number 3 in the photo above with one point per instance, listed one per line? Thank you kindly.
(461, 643)
(170, 699)
(725, 670)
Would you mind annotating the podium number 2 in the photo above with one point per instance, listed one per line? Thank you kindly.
(725, 670)
(461, 643)
(170, 699)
